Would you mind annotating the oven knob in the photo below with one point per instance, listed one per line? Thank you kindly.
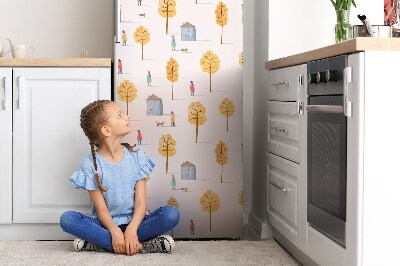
(324, 76)
(332, 75)
(314, 78)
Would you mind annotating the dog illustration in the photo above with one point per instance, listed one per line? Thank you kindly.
(142, 15)
(160, 123)
(185, 50)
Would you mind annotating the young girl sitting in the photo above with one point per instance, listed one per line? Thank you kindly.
(114, 176)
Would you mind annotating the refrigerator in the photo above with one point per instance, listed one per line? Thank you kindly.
(178, 75)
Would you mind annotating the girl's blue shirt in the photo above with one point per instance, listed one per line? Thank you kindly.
(118, 178)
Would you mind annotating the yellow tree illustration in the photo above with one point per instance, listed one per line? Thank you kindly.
(166, 8)
(227, 108)
(197, 115)
(210, 63)
(241, 198)
(166, 147)
(173, 202)
(172, 72)
(221, 14)
(210, 202)
(241, 59)
(126, 92)
(142, 36)
(221, 155)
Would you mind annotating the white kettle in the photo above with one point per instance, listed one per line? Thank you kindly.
(2, 53)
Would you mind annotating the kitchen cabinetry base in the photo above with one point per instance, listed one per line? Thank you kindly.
(33, 232)
(292, 249)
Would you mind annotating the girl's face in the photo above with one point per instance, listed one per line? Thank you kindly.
(117, 122)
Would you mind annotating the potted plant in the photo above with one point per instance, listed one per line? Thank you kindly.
(343, 29)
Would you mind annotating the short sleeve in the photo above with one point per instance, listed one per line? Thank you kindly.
(144, 163)
(84, 177)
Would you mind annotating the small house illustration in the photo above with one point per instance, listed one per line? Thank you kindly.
(188, 171)
(154, 106)
(188, 32)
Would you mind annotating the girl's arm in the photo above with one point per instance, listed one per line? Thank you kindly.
(104, 217)
(132, 244)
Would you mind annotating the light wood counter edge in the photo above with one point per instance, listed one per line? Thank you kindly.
(347, 47)
(55, 62)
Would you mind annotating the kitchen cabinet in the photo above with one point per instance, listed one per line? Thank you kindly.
(42, 144)
(371, 108)
(285, 122)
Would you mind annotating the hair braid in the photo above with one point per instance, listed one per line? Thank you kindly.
(93, 118)
(96, 173)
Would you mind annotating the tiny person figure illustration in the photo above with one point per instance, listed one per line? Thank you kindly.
(192, 227)
(139, 137)
(192, 89)
(124, 38)
(119, 66)
(173, 43)
(149, 80)
(172, 119)
(173, 182)
(139, 2)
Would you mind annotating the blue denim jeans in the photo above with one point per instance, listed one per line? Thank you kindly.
(90, 229)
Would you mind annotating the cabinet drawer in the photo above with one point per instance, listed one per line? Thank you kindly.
(283, 130)
(284, 83)
(283, 196)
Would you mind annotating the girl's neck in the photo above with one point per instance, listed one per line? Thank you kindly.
(113, 152)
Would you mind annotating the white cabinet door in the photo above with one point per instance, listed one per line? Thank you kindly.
(48, 142)
(5, 146)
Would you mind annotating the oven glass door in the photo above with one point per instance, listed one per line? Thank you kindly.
(326, 167)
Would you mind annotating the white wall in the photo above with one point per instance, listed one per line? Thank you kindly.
(60, 28)
(301, 25)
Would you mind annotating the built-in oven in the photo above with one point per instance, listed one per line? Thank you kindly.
(327, 148)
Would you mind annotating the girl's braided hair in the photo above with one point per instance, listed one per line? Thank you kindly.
(93, 117)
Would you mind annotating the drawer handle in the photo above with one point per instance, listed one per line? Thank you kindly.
(280, 129)
(5, 93)
(284, 83)
(279, 187)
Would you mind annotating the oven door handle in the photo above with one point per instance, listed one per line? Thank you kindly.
(335, 109)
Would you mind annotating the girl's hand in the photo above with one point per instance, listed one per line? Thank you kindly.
(132, 244)
(118, 241)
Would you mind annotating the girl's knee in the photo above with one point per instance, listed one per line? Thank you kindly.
(172, 214)
(68, 218)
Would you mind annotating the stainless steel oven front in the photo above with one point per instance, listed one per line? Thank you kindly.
(327, 148)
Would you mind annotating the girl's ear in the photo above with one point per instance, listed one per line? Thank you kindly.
(105, 130)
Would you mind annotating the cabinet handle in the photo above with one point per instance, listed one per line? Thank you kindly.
(286, 83)
(5, 93)
(280, 129)
(20, 87)
(279, 187)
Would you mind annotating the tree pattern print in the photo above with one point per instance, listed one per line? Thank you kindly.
(173, 202)
(172, 72)
(210, 202)
(166, 8)
(221, 14)
(221, 155)
(142, 36)
(210, 63)
(197, 115)
(166, 147)
(127, 93)
(227, 108)
(182, 82)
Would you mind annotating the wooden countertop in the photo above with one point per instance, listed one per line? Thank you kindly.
(348, 47)
(55, 62)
